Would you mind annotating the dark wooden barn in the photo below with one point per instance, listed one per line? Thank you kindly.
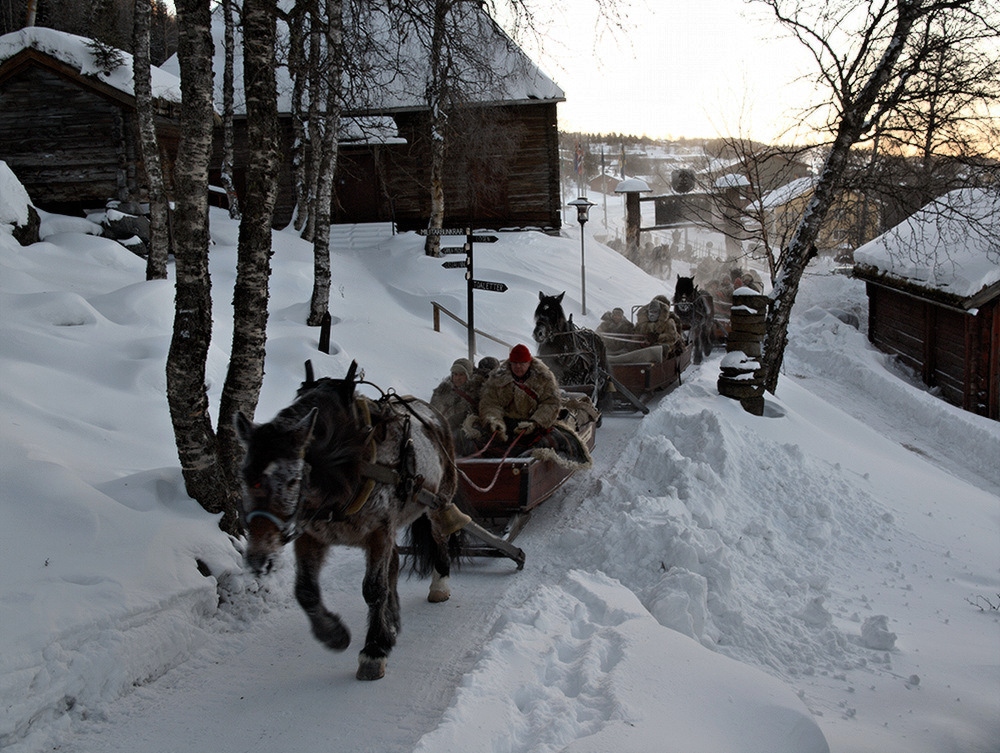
(383, 173)
(502, 165)
(944, 326)
(70, 133)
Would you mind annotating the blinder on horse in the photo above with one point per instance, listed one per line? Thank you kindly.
(403, 476)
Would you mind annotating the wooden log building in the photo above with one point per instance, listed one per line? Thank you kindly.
(70, 131)
(940, 314)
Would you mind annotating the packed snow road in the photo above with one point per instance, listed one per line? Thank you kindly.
(262, 678)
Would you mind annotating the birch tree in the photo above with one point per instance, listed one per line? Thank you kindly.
(159, 230)
(327, 165)
(866, 56)
(297, 21)
(192, 332)
(227, 111)
(246, 362)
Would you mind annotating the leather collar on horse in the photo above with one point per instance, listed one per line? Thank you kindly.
(374, 417)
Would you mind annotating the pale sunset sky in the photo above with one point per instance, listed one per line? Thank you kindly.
(694, 69)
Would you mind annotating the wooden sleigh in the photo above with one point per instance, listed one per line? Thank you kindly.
(638, 375)
(500, 494)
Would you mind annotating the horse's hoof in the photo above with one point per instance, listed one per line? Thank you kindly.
(370, 669)
(439, 590)
(330, 631)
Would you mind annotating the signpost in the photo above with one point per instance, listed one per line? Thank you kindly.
(466, 263)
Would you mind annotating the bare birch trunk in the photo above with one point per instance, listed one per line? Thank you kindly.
(227, 113)
(159, 230)
(436, 99)
(853, 122)
(320, 303)
(246, 364)
(297, 69)
(186, 361)
(313, 127)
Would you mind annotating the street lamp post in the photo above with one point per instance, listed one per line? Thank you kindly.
(583, 205)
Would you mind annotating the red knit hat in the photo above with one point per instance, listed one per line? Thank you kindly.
(520, 354)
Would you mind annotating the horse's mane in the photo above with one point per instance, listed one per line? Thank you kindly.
(335, 451)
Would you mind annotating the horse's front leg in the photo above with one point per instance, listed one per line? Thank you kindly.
(379, 589)
(326, 626)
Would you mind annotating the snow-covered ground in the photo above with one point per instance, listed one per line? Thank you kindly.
(824, 577)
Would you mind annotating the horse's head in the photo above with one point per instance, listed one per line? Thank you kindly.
(275, 461)
(271, 479)
(549, 316)
(684, 290)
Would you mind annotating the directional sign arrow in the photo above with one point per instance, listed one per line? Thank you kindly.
(455, 264)
(454, 250)
(442, 231)
(496, 287)
(483, 238)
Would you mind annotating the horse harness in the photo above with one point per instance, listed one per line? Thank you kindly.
(403, 477)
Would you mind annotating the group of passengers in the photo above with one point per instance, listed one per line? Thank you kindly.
(655, 324)
(514, 407)
(517, 398)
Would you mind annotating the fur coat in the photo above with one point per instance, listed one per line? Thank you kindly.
(502, 398)
(454, 403)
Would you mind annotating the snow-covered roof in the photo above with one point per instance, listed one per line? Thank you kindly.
(73, 51)
(732, 180)
(951, 245)
(630, 185)
(369, 129)
(787, 192)
(514, 78)
(14, 199)
(510, 75)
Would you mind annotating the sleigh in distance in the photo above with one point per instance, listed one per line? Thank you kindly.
(643, 373)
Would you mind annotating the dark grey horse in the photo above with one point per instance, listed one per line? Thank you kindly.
(696, 310)
(337, 468)
(577, 356)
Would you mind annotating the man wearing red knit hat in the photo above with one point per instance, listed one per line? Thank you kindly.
(521, 396)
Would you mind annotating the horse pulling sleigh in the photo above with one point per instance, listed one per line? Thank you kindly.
(338, 468)
(619, 370)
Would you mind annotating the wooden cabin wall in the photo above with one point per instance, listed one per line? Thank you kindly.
(985, 372)
(68, 146)
(517, 185)
(953, 351)
(72, 146)
(391, 183)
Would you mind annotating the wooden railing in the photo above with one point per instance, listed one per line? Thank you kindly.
(438, 308)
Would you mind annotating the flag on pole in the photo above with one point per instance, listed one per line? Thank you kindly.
(579, 159)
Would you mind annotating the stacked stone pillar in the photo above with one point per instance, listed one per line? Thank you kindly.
(741, 377)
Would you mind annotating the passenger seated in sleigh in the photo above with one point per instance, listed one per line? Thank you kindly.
(521, 413)
(655, 336)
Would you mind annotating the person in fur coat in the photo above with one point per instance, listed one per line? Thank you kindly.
(520, 396)
(458, 395)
